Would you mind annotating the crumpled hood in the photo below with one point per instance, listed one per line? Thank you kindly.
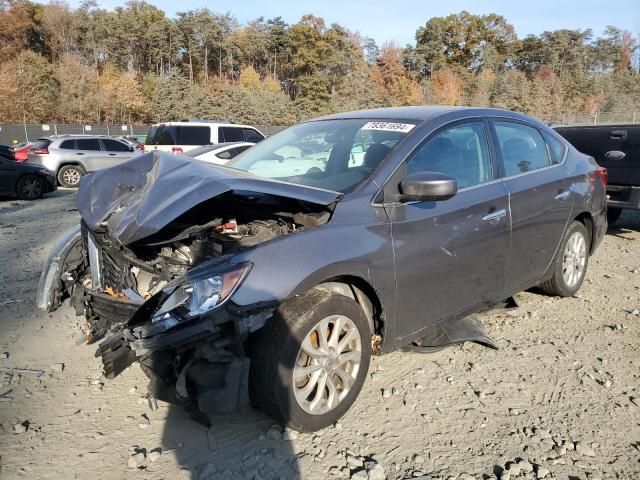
(141, 196)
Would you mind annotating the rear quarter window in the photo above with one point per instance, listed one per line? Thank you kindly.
(114, 146)
(556, 148)
(251, 135)
(226, 154)
(40, 144)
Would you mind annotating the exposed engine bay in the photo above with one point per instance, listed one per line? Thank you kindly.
(215, 228)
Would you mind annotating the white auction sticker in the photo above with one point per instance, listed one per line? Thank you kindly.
(389, 126)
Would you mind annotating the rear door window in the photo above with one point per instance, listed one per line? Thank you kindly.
(114, 146)
(193, 135)
(68, 145)
(251, 135)
(523, 148)
(230, 134)
(88, 144)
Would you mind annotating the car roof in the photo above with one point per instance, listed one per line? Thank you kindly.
(203, 124)
(418, 113)
(74, 136)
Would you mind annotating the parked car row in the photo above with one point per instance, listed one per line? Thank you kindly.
(275, 281)
(71, 157)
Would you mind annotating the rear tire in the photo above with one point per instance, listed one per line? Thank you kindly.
(308, 392)
(613, 214)
(69, 176)
(30, 187)
(570, 265)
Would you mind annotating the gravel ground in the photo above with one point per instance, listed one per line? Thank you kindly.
(560, 399)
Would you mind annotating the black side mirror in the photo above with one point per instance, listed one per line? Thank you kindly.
(421, 186)
(131, 149)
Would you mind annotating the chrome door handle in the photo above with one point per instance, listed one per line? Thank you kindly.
(498, 214)
(562, 196)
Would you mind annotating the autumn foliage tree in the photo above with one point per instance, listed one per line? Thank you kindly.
(134, 64)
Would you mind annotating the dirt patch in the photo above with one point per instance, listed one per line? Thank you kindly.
(560, 399)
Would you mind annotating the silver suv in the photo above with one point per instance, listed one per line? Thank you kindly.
(72, 156)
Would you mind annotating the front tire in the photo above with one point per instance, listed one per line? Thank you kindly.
(69, 176)
(309, 363)
(570, 264)
(30, 187)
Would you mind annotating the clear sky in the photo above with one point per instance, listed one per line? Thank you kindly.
(398, 19)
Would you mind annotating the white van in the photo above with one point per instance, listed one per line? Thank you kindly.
(179, 137)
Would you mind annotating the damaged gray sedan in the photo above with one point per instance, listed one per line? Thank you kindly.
(273, 280)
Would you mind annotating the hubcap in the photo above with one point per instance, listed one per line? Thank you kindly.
(574, 260)
(31, 187)
(327, 364)
(71, 176)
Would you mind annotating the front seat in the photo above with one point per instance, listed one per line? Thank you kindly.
(375, 154)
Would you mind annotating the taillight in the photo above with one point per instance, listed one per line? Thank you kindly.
(41, 151)
(140, 146)
(602, 174)
(599, 174)
(176, 150)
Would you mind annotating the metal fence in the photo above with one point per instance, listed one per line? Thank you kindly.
(596, 118)
(12, 133)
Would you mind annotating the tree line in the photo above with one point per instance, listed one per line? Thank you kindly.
(134, 64)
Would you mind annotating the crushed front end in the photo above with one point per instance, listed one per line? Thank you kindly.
(154, 279)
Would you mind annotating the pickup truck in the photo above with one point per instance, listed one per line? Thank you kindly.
(617, 148)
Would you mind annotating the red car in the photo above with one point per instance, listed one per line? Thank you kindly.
(21, 151)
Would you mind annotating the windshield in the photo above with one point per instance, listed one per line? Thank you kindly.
(331, 154)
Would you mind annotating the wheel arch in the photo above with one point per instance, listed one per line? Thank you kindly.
(363, 293)
(70, 162)
(587, 220)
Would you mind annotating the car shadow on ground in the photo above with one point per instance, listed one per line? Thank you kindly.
(246, 444)
(628, 221)
(243, 444)
(13, 204)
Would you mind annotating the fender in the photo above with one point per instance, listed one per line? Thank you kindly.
(49, 286)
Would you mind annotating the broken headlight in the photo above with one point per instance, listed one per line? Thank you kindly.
(199, 295)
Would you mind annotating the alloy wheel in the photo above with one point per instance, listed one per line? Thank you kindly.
(31, 187)
(71, 176)
(327, 364)
(574, 259)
